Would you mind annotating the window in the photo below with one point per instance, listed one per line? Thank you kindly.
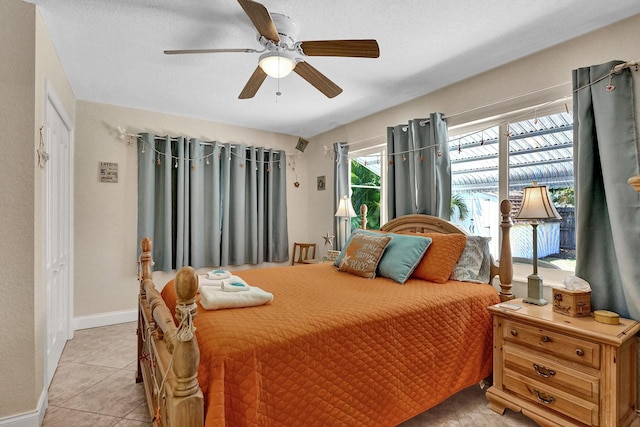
(365, 189)
(474, 184)
(539, 149)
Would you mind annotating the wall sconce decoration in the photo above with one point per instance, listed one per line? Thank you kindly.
(43, 156)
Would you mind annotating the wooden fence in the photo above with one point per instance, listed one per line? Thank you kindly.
(567, 229)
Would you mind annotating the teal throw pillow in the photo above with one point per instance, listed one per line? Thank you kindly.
(400, 258)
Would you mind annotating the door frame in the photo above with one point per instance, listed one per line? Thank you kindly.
(52, 98)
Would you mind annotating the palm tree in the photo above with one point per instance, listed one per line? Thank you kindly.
(458, 203)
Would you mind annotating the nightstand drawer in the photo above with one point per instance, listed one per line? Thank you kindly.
(552, 373)
(564, 346)
(551, 398)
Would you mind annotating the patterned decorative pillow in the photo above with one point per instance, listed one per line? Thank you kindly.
(441, 257)
(475, 262)
(344, 248)
(363, 253)
(402, 255)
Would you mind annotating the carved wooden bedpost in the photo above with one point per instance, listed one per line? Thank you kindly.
(186, 410)
(363, 216)
(146, 262)
(144, 273)
(506, 262)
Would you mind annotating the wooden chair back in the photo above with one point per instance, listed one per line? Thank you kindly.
(302, 252)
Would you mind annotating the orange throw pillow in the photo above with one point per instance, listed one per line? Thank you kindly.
(441, 257)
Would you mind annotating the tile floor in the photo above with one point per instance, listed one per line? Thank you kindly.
(94, 386)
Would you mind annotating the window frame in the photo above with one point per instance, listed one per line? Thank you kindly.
(520, 270)
(381, 150)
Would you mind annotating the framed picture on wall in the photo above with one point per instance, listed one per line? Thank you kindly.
(108, 172)
(321, 183)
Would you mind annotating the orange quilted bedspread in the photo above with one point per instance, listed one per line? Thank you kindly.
(334, 349)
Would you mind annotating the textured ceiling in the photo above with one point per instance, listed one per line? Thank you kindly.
(112, 52)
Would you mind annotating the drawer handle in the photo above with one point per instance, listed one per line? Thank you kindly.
(580, 352)
(514, 332)
(544, 398)
(543, 372)
(545, 338)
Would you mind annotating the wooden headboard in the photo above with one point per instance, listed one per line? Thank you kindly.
(431, 224)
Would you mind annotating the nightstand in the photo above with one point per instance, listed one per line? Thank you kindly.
(563, 371)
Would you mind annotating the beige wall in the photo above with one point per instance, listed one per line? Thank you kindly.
(28, 58)
(17, 107)
(106, 214)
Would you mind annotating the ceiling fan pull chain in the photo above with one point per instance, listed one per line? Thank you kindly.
(278, 93)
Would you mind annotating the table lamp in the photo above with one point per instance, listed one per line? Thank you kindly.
(345, 211)
(536, 205)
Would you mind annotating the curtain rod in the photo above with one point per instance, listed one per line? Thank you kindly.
(122, 134)
(618, 68)
(511, 98)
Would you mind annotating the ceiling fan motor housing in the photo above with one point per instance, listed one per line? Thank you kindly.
(287, 29)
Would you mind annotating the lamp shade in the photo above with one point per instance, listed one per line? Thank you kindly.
(345, 209)
(276, 64)
(537, 204)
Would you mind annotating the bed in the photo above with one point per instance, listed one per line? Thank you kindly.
(332, 348)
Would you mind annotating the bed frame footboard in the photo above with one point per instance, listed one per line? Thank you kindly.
(168, 355)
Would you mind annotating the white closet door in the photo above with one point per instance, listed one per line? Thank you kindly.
(58, 231)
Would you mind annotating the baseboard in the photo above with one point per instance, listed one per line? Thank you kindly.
(105, 319)
(30, 419)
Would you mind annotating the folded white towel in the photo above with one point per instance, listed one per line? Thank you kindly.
(218, 274)
(203, 280)
(212, 298)
(218, 283)
(230, 285)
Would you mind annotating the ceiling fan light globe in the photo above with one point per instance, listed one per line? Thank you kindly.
(276, 65)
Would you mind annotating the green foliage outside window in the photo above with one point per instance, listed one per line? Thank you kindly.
(362, 179)
(562, 196)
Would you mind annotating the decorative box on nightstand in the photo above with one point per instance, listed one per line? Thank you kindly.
(563, 371)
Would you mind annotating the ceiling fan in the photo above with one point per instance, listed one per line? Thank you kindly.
(281, 52)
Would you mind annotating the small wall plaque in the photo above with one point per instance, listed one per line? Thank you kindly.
(108, 172)
(302, 144)
(321, 183)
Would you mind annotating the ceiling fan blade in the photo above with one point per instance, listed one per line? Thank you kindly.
(317, 79)
(187, 51)
(261, 19)
(350, 48)
(254, 83)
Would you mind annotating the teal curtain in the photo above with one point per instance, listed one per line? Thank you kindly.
(342, 187)
(607, 207)
(419, 173)
(208, 204)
